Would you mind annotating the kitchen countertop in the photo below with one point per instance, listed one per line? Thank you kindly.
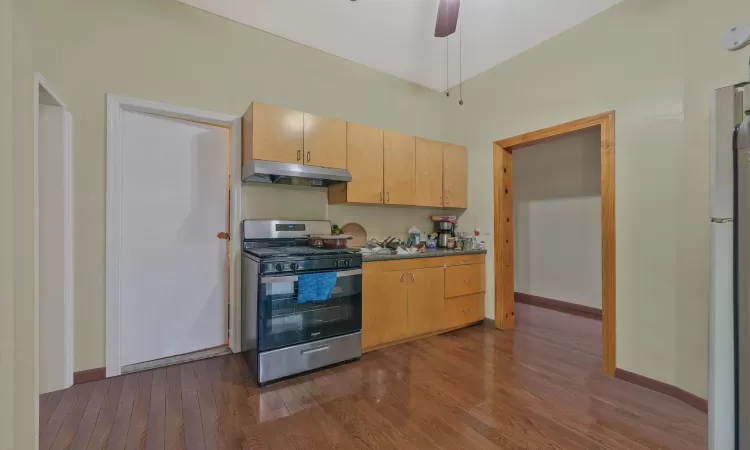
(427, 254)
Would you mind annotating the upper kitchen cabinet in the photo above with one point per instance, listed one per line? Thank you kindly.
(399, 171)
(324, 142)
(272, 133)
(364, 160)
(455, 170)
(429, 173)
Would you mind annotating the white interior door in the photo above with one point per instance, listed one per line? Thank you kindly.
(174, 269)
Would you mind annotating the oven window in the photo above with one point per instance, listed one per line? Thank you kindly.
(283, 321)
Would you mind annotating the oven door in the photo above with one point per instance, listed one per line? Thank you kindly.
(283, 322)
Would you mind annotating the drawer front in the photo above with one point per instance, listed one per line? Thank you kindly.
(461, 260)
(464, 280)
(463, 310)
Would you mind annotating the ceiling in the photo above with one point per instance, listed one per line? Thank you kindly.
(397, 36)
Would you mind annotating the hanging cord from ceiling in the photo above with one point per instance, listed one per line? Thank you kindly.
(460, 62)
(447, 65)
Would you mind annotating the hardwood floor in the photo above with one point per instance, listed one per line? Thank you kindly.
(537, 387)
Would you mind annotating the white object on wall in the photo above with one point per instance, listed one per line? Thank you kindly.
(166, 202)
(737, 37)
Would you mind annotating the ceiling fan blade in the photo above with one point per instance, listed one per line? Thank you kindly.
(447, 17)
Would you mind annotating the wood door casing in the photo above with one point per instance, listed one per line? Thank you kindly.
(455, 176)
(384, 307)
(324, 142)
(398, 168)
(425, 310)
(429, 173)
(275, 134)
(503, 214)
(364, 153)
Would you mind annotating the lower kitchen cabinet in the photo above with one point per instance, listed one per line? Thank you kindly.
(384, 314)
(425, 300)
(404, 299)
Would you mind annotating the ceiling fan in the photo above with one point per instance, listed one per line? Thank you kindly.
(447, 18)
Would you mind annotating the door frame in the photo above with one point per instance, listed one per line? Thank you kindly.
(115, 106)
(503, 218)
(68, 300)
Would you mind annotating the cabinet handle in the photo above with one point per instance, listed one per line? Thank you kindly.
(381, 197)
(299, 154)
(441, 201)
(402, 277)
(467, 281)
(412, 277)
(389, 196)
(308, 156)
(446, 201)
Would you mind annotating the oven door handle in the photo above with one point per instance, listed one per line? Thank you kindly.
(291, 278)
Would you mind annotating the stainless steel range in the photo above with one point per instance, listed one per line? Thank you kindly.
(292, 320)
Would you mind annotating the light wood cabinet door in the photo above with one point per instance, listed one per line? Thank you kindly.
(429, 173)
(384, 307)
(455, 176)
(276, 133)
(398, 168)
(325, 142)
(426, 300)
(364, 152)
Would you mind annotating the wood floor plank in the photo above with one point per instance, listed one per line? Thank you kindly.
(139, 417)
(69, 426)
(155, 430)
(191, 411)
(173, 423)
(47, 404)
(537, 387)
(100, 434)
(118, 437)
(56, 419)
(209, 414)
(90, 415)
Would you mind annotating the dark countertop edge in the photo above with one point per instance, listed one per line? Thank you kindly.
(433, 254)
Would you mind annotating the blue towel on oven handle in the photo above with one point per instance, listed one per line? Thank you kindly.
(315, 287)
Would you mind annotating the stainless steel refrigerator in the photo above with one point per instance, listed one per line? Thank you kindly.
(729, 322)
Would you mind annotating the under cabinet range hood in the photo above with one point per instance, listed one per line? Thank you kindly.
(258, 171)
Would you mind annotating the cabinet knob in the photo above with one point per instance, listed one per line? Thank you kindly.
(308, 156)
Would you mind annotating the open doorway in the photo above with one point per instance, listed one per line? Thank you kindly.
(557, 224)
(53, 238)
(604, 125)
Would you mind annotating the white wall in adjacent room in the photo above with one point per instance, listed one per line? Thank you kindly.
(557, 219)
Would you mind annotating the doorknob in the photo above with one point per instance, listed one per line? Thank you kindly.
(223, 235)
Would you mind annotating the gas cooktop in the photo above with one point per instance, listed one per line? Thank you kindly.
(265, 252)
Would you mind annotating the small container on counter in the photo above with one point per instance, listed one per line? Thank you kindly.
(451, 243)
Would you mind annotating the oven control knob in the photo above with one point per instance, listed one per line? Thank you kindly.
(347, 262)
(293, 266)
(335, 263)
(279, 267)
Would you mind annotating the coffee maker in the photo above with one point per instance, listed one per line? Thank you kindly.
(445, 228)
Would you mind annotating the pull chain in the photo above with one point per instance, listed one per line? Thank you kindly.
(460, 63)
(447, 65)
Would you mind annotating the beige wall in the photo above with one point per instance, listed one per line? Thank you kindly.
(7, 340)
(657, 76)
(557, 231)
(26, 38)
